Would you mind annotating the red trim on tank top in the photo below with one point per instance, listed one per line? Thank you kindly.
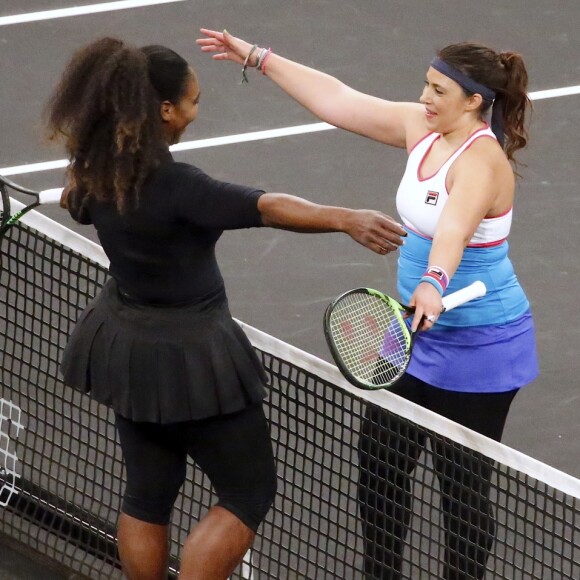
(419, 142)
(499, 215)
(473, 136)
(466, 148)
(488, 244)
(484, 245)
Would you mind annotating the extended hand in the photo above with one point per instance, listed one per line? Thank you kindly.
(375, 230)
(226, 46)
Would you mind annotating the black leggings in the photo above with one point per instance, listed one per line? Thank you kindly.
(389, 449)
(235, 451)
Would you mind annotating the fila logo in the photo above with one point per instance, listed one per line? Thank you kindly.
(432, 197)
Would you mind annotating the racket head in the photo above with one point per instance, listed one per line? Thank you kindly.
(368, 337)
(7, 218)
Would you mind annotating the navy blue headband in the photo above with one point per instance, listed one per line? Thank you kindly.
(462, 79)
(472, 86)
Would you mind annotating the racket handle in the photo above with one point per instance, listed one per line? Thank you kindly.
(50, 196)
(475, 290)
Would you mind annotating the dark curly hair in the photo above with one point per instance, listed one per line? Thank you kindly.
(106, 106)
(506, 74)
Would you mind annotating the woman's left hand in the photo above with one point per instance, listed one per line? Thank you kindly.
(226, 46)
(428, 306)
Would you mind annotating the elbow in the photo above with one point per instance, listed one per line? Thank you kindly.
(453, 238)
(267, 206)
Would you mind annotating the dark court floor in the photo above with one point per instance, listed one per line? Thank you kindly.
(281, 282)
(19, 563)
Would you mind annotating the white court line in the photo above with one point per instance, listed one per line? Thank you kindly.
(551, 93)
(187, 146)
(254, 136)
(79, 10)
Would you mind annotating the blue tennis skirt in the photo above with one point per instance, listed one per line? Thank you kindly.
(162, 364)
(479, 359)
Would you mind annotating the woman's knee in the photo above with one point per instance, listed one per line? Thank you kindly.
(251, 505)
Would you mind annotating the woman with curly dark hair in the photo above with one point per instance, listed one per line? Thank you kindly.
(455, 200)
(158, 344)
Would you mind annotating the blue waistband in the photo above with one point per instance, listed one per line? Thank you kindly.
(504, 302)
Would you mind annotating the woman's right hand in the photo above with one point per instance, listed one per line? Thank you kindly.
(226, 47)
(428, 306)
(374, 230)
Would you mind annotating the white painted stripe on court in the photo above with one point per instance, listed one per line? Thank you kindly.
(551, 93)
(79, 10)
(34, 167)
(186, 146)
(253, 136)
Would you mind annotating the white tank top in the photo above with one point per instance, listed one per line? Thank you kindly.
(420, 201)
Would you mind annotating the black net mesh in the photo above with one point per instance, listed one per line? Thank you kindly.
(343, 461)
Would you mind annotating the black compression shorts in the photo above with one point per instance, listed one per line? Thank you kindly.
(234, 451)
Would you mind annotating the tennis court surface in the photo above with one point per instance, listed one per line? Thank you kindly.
(62, 498)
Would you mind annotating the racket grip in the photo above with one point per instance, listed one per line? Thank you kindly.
(50, 196)
(475, 290)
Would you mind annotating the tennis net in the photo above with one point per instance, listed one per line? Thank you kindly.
(61, 471)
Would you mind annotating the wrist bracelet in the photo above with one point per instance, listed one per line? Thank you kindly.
(437, 277)
(433, 283)
(261, 55)
(245, 65)
(262, 66)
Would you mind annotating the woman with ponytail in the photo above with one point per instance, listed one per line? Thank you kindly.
(456, 202)
(158, 345)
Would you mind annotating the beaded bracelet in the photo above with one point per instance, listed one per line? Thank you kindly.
(437, 277)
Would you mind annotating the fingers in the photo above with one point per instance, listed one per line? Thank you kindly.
(212, 39)
(383, 247)
(394, 232)
(209, 45)
(380, 244)
(386, 229)
(377, 245)
(388, 235)
(224, 45)
(212, 34)
(428, 307)
(375, 242)
(427, 321)
(422, 321)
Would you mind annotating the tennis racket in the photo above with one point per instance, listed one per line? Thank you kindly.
(368, 337)
(8, 219)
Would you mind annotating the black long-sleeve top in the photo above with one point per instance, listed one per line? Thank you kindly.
(163, 252)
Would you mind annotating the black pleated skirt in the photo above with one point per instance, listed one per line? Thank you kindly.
(162, 364)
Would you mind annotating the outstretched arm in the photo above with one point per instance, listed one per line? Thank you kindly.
(372, 229)
(393, 123)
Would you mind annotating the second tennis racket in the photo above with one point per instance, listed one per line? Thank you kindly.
(369, 338)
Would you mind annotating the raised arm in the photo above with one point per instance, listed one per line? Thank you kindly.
(372, 229)
(332, 101)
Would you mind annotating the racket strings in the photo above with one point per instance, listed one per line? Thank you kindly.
(371, 338)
